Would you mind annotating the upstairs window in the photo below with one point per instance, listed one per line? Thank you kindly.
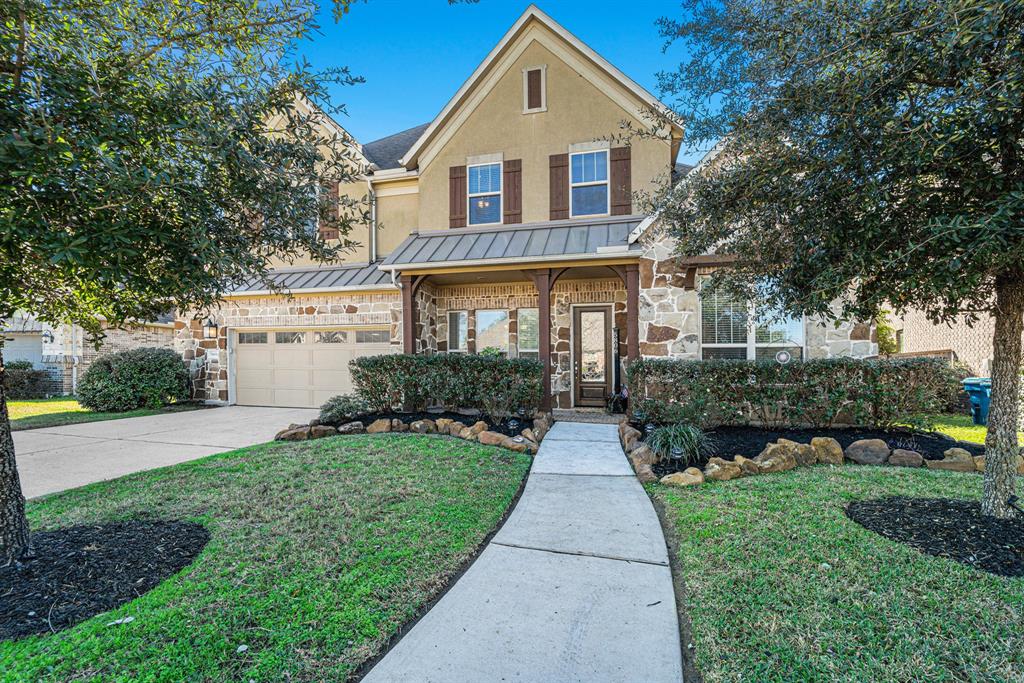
(485, 194)
(535, 97)
(588, 181)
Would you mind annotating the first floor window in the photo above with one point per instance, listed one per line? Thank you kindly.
(528, 332)
(492, 330)
(458, 331)
(731, 328)
(588, 182)
(485, 194)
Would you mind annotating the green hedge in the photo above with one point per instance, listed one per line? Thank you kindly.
(22, 380)
(497, 386)
(139, 378)
(819, 393)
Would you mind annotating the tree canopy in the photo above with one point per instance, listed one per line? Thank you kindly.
(153, 154)
(870, 155)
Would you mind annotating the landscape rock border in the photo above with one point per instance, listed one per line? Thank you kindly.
(527, 441)
(784, 455)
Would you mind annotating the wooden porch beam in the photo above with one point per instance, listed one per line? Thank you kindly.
(409, 284)
(632, 281)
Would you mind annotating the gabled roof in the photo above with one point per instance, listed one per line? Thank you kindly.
(387, 152)
(532, 14)
(319, 279)
(523, 243)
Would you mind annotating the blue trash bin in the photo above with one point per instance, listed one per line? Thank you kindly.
(980, 391)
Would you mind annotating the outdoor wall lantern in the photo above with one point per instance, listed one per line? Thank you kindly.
(210, 328)
(48, 337)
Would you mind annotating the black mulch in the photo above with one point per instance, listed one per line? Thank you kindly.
(750, 441)
(492, 425)
(953, 529)
(81, 571)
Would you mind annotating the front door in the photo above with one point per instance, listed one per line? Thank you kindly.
(592, 357)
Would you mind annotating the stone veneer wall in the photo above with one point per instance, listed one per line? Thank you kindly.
(208, 360)
(515, 295)
(669, 316)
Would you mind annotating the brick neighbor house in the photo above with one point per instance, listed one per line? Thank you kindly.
(508, 221)
(65, 351)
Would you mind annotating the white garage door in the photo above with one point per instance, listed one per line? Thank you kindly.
(23, 347)
(300, 368)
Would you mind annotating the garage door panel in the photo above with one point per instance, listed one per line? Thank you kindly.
(298, 375)
(293, 398)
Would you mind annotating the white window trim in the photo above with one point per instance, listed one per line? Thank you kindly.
(519, 346)
(607, 182)
(501, 193)
(448, 318)
(543, 68)
(751, 345)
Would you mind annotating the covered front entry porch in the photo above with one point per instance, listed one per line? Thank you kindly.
(579, 319)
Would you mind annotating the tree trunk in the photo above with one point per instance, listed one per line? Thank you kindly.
(14, 536)
(1001, 449)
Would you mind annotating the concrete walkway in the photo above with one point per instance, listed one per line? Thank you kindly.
(57, 458)
(574, 587)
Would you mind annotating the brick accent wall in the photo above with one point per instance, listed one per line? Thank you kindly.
(208, 360)
(971, 344)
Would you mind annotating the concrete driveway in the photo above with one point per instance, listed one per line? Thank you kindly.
(58, 458)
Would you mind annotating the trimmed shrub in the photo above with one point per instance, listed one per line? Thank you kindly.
(22, 380)
(138, 378)
(341, 409)
(817, 393)
(497, 386)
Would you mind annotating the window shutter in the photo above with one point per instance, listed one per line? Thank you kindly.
(533, 84)
(559, 168)
(328, 231)
(512, 200)
(457, 197)
(622, 195)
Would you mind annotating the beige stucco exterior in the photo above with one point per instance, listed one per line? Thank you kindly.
(398, 205)
(583, 105)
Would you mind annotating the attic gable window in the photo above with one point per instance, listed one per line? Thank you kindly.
(535, 89)
(484, 194)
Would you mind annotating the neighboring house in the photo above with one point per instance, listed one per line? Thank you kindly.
(971, 344)
(509, 221)
(66, 353)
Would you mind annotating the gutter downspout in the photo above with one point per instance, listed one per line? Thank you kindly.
(373, 221)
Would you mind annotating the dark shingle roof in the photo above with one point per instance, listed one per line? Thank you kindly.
(526, 241)
(332, 277)
(386, 152)
(680, 171)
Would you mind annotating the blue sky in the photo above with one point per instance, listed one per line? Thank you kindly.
(414, 54)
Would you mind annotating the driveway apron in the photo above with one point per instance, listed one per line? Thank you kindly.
(574, 587)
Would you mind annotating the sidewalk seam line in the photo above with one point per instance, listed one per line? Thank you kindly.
(581, 554)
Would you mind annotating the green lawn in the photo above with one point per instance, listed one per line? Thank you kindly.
(782, 586)
(319, 552)
(961, 428)
(63, 410)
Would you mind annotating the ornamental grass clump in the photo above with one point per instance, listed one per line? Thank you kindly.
(684, 443)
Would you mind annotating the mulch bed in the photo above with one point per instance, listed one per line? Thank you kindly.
(81, 571)
(954, 529)
(501, 427)
(750, 441)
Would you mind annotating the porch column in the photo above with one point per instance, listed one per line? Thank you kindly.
(542, 281)
(408, 314)
(632, 311)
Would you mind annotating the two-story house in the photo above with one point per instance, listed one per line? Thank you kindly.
(509, 221)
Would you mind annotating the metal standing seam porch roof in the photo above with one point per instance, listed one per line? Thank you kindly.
(523, 243)
(355, 276)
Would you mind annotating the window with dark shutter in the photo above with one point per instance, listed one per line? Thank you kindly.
(559, 186)
(327, 229)
(457, 197)
(513, 191)
(622, 194)
(534, 89)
